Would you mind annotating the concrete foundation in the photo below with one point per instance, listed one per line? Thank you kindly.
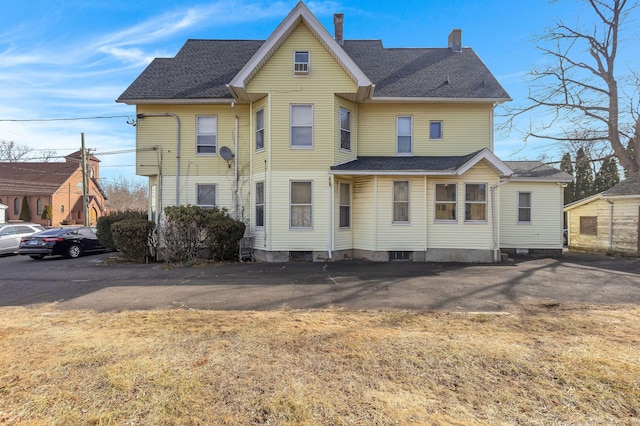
(537, 252)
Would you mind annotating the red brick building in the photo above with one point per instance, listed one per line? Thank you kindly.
(55, 184)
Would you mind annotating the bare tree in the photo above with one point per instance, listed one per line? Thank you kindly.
(125, 194)
(579, 92)
(12, 152)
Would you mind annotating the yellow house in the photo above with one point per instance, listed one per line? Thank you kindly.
(336, 149)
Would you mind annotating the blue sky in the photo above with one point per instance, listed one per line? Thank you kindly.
(73, 58)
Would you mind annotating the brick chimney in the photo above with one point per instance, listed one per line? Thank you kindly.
(455, 40)
(338, 19)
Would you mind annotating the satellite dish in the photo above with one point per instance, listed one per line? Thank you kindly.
(226, 154)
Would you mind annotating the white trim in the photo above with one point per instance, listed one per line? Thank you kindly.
(207, 154)
(485, 154)
(441, 130)
(298, 14)
(291, 145)
(215, 194)
(340, 128)
(436, 202)
(303, 73)
(291, 182)
(518, 207)
(398, 153)
(401, 99)
(486, 202)
(393, 202)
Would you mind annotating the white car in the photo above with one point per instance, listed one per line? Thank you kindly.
(12, 233)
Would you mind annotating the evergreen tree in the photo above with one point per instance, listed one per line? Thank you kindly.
(567, 166)
(584, 175)
(610, 173)
(47, 214)
(25, 212)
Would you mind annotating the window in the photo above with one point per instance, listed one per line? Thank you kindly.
(259, 130)
(404, 127)
(524, 207)
(345, 129)
(206, 135)
(62, 208)
(446, 201)
(301, 214)
(301, 126)
(345, 205)
(39, 206)
(435, 130)
(588, 225)
(259, 204)
(401, 201)
(301, 63)
(16, 206)
(475, 202)
(205, 194)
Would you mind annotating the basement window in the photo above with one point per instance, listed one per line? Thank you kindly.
(400, 256)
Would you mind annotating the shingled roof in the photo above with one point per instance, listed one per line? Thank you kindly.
(629, 186)
(444, 164)
(202, 69)
(34, 178)
(525, 170)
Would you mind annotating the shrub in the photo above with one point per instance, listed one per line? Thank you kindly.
(103, 227)
(135, 239)
(25, 211)
(223, 236)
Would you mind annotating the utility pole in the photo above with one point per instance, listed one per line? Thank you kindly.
(85, 184)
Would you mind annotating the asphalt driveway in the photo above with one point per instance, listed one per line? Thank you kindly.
(92, 282)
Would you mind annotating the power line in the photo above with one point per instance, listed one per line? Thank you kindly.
(98, 117)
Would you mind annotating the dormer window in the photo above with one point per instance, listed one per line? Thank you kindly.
(301, 63)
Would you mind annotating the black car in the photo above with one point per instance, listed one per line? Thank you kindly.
(67, 242)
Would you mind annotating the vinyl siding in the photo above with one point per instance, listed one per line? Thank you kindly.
(465, 128)
(401, 236)
(341, 155)
(461, 234)
(342, 237)
(276, 78)
(161, 132)
(545, 229)
(364, 213)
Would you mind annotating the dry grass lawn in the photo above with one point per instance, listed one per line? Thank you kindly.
(547, 364)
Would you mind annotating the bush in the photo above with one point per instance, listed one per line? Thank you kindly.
(25, 211)
(222, 238)
(135, 238)
(103, 227)
(187, 229)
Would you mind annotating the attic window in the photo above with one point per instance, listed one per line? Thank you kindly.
(301, 63)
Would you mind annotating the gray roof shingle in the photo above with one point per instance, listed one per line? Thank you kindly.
(404, 164)
(203, 68)
(629, 186)
(538, 170)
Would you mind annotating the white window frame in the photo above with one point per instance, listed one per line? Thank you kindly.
(215, 194)
(347, 132)
(398, 135)
(214, 134)
(396, 202)
(529, 208)
(292, 125)
(301, 68)
(344, 206)
(432, 122)
(467, 202)
(260, 205)
(292, 205)
(445, 202)
(259, 130)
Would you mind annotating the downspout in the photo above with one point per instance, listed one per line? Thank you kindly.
(610, 248)
(168, 114)
(494, 220)
(330, 242)
(235, 163)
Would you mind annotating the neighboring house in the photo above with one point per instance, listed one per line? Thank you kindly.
(55, 184)
(338, 149)
(608, 222)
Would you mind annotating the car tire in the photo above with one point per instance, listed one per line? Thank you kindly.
(37, 256)
(74, 251)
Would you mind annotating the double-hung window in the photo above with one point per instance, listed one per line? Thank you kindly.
(259, 204)
(205, 194)
(404, 136)
(206, 135)
(345, 129)
(260, 129)
(446, 202)
(475, 202)
(345, 205)
(524, 207)
(301, 126)
(401, 201)
(301, 206)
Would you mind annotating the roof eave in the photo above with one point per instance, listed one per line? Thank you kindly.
(449, 172)
(400, 99)
(181, 101)
(537, 179)
(490, 157)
